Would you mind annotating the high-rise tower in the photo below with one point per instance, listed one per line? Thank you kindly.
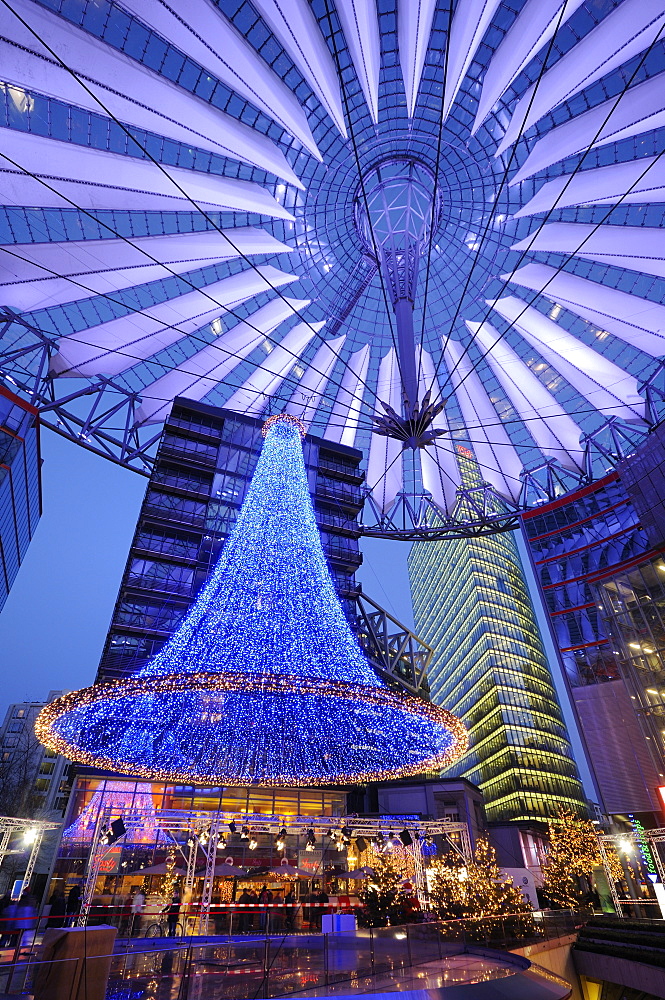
(472, 604)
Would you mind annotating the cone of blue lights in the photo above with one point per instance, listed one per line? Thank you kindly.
(263, 682)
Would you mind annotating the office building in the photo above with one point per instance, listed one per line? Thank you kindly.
(20, 484)
(472, 605)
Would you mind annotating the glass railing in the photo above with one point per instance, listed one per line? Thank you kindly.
(256, 964)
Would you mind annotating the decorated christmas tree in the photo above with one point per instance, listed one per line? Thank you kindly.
(572, 855)
(475, 888)
(264, 681)
(383, 893)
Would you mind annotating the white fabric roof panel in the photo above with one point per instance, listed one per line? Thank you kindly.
(470, 22)
(414, 27)
(532, 29)
(113, 347)
(438, 465)
(91, 267)
(252, 396)
(360, 25)
(96, 180)
(637, 248)
(637, 321)
(308, 393)
(294, 24)
(206, 369)
(385, 465)
(163, 107)
(599, 380)
(499, 463)
(213, 42)
(553, 430)
(623, 33)
(640, 109)
(637, 182)
(345, 415)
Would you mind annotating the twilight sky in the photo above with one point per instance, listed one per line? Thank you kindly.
(54, 623)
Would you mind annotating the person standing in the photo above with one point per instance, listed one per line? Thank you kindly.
(244, 915)
(172, 914)
(58, 913)
(138, 903)
(265, 899)
(73, 904)
(290, 911)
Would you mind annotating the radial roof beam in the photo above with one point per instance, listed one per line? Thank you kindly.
(637, 182)
(209, 38)
(360, 25)
(531, 30)
(625, 32)
(89, 79)
(253, 395)
(102, 267)
(414, 27)
(438, 465)
(95, 180)
(637, 248)
(113, 347)
(640, 109)
(385, 474)
(608, 388)
(307, 394)
(206, 369)
(498, 461)
(345, 414)
(298, 31)
(470, 22)
(553, 430)
(638, 321)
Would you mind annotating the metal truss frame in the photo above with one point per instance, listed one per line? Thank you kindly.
(653, 837)
(12, 825)
(204, 830)
(388, 644)
(100, 415)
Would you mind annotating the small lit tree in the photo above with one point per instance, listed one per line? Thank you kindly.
(383, 894)
(475, 888)
(573, 853)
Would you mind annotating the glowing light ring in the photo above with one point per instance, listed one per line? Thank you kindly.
(283, 418)
(267, 685)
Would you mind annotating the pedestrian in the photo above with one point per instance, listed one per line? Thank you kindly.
(172, 914)
(277, 913)
(138, 902)
(244, 916)
(290, 911)
(5, 904)
(58, 913)
(73, 904)
(265, 899)
(26, 918)
(322, 899)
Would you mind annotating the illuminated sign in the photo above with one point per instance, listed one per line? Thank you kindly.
(645, 851)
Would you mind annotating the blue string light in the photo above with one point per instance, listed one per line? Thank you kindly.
(264, 681)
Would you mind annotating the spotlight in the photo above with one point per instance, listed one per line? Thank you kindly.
(232, 827)
(221, 844)
(244, 833)
(115, 833)
(311, 840)
(332, 833)
(340, 845)
(406, 838)
(253, 844)
(346, 832)
(280, 842)
(203, 838)
(361, 844)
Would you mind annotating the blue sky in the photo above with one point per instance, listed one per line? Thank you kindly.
(53, 626)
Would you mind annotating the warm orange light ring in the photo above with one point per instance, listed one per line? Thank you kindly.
(267, 684)
(285, 418)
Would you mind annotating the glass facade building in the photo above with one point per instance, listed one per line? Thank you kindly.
(471, 603)
(20, 484)
(600, 584)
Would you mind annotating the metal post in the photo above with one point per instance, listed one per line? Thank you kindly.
(32, 860)
(610, 880)
(209, 879)
(419, 872)
(94, 862)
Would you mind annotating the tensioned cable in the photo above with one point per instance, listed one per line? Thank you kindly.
(568, 257)
(503, 182)
(361, 180)
(165, 172)
(437, 168)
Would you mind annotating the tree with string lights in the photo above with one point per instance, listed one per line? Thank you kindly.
(476, 889)
(572, 855)
(383, 895)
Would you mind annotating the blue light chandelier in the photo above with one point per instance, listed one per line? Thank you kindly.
(419, 225)
(263, 682)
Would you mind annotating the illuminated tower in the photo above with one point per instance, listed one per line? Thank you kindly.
(472, 604)
(263, 682)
